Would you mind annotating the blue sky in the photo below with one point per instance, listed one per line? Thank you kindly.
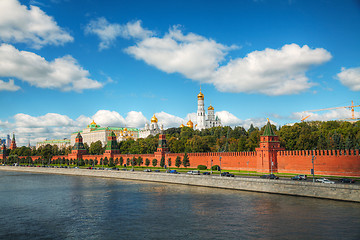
(66, 62)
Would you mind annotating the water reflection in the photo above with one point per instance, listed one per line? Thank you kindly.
(67, 207)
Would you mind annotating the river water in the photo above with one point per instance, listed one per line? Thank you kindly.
(40, 206)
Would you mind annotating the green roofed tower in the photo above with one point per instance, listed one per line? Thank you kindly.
(267, 151)
(268, 130)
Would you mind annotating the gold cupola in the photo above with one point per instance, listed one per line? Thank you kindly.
(182, 125)
(200, 95)
(154, 119)
(210, 107)
(190, 124)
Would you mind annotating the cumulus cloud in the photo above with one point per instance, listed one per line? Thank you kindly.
(108, 118)
(62, 73)
(334, 114)
(271, 71)
(168, 120)
(108, 32)
(135, 119)
(8, 86)
(350, 78)
(18, 24)
(192, 55)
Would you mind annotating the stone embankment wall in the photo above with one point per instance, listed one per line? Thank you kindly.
(306, 189)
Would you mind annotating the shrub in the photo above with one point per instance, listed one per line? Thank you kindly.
(215, 167)
(201, 167)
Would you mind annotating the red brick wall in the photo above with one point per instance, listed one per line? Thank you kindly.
(327, 162)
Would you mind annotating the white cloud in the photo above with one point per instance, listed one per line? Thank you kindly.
(335, 114)
(191, 55)
(168, 120)
(108, 32)
(271, 72)
(8, 86)
(62, 73)
(31, 26)
(350, 78)
(135, 119)
(108, 118)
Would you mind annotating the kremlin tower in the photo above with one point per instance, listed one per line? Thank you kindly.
(13, 142)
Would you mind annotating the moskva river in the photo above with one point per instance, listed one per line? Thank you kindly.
(39, 206)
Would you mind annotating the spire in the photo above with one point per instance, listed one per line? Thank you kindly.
(268, 130)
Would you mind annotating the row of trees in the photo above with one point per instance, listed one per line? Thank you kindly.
(300, 136)
(111, 162)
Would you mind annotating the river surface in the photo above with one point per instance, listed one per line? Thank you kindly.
(41, 206)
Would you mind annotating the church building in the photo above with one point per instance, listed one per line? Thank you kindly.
(202, 121)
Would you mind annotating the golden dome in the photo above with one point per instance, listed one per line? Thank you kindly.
(93, 123)
(154, 119)
(190, 124)
(125, 129)
(211, 107)
(201, 96)
(182, 125)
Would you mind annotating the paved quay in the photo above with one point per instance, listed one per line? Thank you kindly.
(342, 192)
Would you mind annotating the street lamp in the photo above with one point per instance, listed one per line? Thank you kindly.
(313, 170)
(211, 165)
(220, 165)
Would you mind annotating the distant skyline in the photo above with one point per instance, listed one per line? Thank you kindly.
(64, 63)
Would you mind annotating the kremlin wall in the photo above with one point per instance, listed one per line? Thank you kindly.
(268, 157)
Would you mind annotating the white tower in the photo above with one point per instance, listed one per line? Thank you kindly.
(200, 118)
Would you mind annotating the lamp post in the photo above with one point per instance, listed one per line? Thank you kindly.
(313, 170)
(220, 165)
(211, 165)
(271, 163)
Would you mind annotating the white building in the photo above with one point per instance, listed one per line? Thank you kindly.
(201, 121)
(94, 133)
(60, 143)
(151, 129)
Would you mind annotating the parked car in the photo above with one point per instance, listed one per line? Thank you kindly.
(147, 170)
(156, 170)
(194, 172)
(205, 173)
(347, 180)
(299, 177)
(303, 177)
(328, 181)
(227, 174)
(321, 179)
(174, 171)
(270, 176)
(296, 178)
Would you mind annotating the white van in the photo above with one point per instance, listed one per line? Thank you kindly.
(194, 172)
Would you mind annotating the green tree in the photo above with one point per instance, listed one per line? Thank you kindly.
(140, 161)
(121, 161)
(47, 153)
(186, 161)
(147, 162)
(96, 148)
(162, 161)
(154, 162)
(178, 161)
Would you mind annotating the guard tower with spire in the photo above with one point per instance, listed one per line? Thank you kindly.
(267, 151)
(162, 148)
(111, 146)
(78, 149)
(13, 142)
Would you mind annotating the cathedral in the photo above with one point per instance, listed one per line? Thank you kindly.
(201, 121)
(151, 129)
